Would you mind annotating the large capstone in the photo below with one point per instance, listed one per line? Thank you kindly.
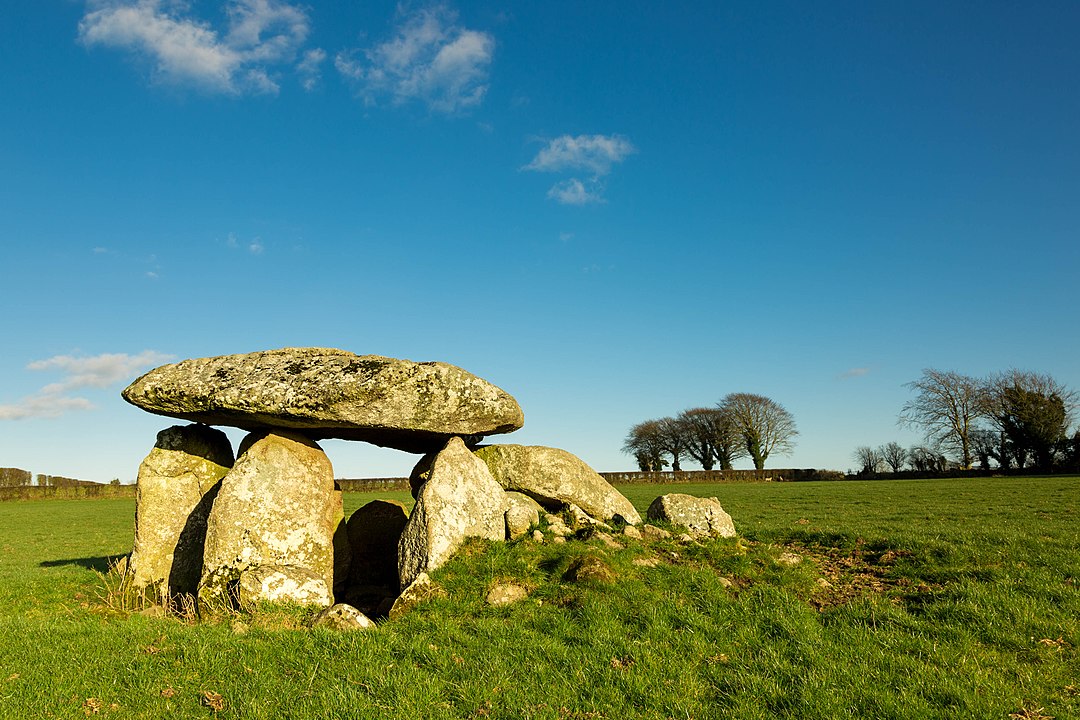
(458, 500)
(326, 393)
(554, 478)
(277, 506)
(176, 487)
(701, 516)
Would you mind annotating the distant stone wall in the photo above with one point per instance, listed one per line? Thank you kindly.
(372, 484)
(722, 476)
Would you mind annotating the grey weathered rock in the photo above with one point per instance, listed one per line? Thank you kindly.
(654, 533)
(506, 594)
(277, 506)
(554, 477)
(420, 590)
(343, 617)
(580, 519)
(328, 393)
(281, 583)
(522, 512)
(589, 568)
(701, 516)
(374, 531)
(632, 532)
(556, 526)
(537, 536)
(176, 487)
(459, 500)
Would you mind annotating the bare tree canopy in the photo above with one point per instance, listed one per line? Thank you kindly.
(644, 443)
(947, 406)
(894, 455)
(711, 437)
(869, 459)
(766, 427)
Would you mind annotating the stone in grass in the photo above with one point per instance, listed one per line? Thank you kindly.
(277, 506)
(459, 500)
(632, 532)
(555, 477)
(281, 583)
(522, 512)
(655, 533)
(420, 590)
(342, 617)
(556, 526)
(175, 490)
(506, 594)
(589, 568)
(701, 516)
(579, 519)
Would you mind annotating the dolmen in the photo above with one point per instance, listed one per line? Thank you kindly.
(218, 529)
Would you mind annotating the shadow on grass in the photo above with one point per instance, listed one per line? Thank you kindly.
(101, 563)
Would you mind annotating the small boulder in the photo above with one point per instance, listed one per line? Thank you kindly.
(282, 583)
(506, 594)
(655, 533)
(554, 477)
(459, 500)
(589, 568)
(175, 490)
(701, 516)
(420, 590)
(342, 617)
(522, 512)
(632, 532)
(579, 519)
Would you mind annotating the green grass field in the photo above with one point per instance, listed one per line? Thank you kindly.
(910, 599)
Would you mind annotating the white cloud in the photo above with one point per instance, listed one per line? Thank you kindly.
(255, 247)
(310, 68)
(430, 59)
(595, 153)
(187, 51)
(98, 371)
(854, 373)
(574, 192)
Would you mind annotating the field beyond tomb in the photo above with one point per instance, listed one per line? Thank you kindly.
(901, 599)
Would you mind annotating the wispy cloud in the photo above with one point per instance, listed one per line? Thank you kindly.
(595, 154)
(854, 373)
(574, 192)
(184, 50)
(98, 371)
(431, 59)
(310, 68)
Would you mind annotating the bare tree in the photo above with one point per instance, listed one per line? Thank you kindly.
(947, 406)
(765, 426)
(868, 458)
(644, 443)
(711, 437)
(926, 459)
(672, 437)
(894, 455)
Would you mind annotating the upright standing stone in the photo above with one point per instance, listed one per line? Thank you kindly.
(277, 506)
(459, 499)
(176, 487)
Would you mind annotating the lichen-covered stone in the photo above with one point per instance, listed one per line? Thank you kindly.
(506, 594)
(701, 516)
(522, 512)
(589, 568)
(555, 477)
(459, 500)
(420, 590)
(176, 487)
(327, 393)
(277, 506)
(343, 617)
(281, 583)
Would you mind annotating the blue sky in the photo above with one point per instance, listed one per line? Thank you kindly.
(614, 211)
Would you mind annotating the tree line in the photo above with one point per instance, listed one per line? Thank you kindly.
(740, 425)
(1013, 419)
